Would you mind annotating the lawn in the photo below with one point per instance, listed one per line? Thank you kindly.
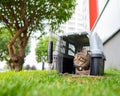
(49, 83)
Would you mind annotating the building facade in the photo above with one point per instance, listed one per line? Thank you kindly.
(112, 51)
(79, 20)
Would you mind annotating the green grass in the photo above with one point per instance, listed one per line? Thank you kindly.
(46, 83)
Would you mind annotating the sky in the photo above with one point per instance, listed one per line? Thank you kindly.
(31, 57)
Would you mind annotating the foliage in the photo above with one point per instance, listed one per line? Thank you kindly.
(42, 47)
(4, 38)
(35, 14)
(49, 83)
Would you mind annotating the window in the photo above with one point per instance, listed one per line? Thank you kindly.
(63, 46)
(71, 50)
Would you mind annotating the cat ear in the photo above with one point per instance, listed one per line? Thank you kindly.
(84, 51)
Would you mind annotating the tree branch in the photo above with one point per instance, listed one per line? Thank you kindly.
(23, 12)
(12, 11)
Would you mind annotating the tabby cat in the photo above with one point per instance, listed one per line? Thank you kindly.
(82, 60)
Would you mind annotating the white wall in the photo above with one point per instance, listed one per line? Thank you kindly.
(109, 21)
(112, 52)
(108, 24)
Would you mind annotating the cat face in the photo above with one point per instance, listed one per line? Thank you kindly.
(81, 60)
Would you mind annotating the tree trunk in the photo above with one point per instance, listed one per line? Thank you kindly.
(16, 50)
(16, 63)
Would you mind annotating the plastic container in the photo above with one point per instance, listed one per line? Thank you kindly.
(97, 64)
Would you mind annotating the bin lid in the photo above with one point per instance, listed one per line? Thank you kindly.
(96, 44)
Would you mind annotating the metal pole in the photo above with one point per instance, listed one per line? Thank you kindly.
(43, 63)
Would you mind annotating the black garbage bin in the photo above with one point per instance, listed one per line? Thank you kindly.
(97, 64)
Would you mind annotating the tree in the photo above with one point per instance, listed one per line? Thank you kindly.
(41, 48)
(4, 38)
(22, 17)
